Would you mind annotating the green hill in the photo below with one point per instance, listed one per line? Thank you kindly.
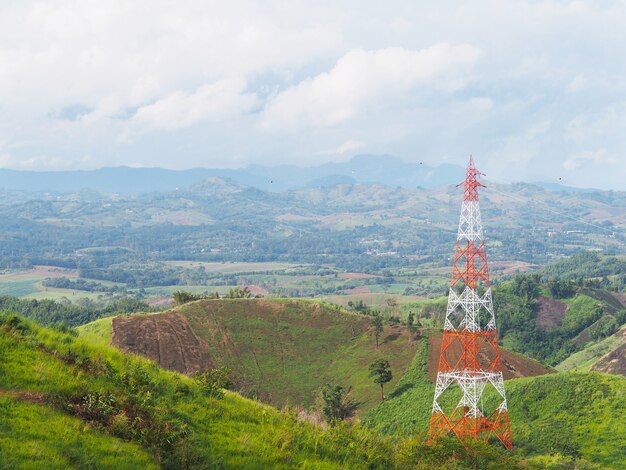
(535, 322)
(280, 351)
(66, 403)
(574, 414)
(587, 359)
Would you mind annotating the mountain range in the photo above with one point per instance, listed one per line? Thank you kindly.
(381, 169)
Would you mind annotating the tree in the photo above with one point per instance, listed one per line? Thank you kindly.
(238, 293)
(527, 285)
(561, 289)
(380, 371)
(392, 303)
(377, 324)
(336, 402)
(182, 297)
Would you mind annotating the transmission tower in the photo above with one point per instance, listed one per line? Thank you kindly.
(470, 401)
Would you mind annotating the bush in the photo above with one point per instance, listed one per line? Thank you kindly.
(213, 382)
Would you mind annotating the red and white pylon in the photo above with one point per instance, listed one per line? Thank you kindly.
(469, 361)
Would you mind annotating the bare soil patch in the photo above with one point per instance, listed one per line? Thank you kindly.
(615, 361)
(550, 312)
(511, 267)
(53, 271)
(513, 365)
(33, 397)
(256, 290)
(621, 297)
(161, 302)
(166, 338)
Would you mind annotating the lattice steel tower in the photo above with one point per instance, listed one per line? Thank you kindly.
(470, 401)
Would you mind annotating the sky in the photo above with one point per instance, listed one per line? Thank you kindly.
(535, 90)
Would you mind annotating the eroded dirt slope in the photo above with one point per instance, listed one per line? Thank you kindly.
(550, 312)
(514, 365)
(166, 338)
(615, 361)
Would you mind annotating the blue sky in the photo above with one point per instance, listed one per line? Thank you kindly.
(535, 90)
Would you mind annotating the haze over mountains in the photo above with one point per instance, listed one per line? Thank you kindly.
(382, 169)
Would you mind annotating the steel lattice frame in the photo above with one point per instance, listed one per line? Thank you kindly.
(470, 327)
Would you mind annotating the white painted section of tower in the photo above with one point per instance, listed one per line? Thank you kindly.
(470, 224)
(463, 312)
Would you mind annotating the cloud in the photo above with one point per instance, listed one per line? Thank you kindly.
(42, 162)
(582, 159)
(225, 99)
(344, 148)
(275, 82)
(361, 77)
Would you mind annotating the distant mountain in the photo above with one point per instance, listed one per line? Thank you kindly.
(382, 169)
(563, 188)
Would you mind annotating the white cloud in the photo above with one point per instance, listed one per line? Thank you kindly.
(348, 146)
(42, 162)
(214, 102)
(582, 159)
(577, 84)
(395, 77)
(361, 77)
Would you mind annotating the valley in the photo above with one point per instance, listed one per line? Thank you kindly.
(210, 323)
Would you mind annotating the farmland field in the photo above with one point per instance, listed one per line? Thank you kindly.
(229, 268)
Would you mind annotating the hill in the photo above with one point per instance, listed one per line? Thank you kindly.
(383, 169)
(554, 320)
(66, 403)
(360, 226)
(573, 414)
(281, 351)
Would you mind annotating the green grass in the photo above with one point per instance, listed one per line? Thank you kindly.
(97, 332)
(574, 414)
(580, 309)
(406, 412)
(232, 268)
(34, 436)
(231, 432)
(583, 360)
(27, 284)
(18, 288)
(54, 293)
(98, 408)
(284, 350)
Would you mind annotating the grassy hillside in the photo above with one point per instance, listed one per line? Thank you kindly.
(552, 329)
(33, 435)
(574, 414)
(281, 351)
(585, 359)
(66, 403)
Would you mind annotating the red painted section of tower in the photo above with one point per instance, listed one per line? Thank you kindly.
(470, 275)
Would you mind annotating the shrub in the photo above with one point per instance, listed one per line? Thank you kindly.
(212, 382)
